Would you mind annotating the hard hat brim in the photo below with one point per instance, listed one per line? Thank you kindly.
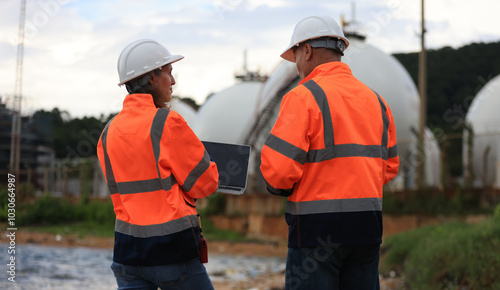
(174, 58)
(287, 54)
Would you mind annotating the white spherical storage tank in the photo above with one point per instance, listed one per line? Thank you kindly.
(185, 110)
(482, 149)
(385, 75)
(227, 115)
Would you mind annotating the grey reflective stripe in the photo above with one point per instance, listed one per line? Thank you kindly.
(156, 230)
(289, 150)
(139, 186)
(324, 107)
(385, 119)
(334, 206)
(149, 185)
(156, 133)
(393, 151)
(345, 150)
(197, 171)
(110, 177)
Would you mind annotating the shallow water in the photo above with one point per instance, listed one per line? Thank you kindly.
(43, 267)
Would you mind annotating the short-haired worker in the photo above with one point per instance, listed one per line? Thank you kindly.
(331, 150)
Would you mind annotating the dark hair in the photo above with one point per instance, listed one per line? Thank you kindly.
(141, 85)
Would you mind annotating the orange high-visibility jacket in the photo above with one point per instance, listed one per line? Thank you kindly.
(155, 167)
(331, 150)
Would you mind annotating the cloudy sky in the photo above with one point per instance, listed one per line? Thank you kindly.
(72, 46)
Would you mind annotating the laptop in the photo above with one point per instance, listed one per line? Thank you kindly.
(232, 164)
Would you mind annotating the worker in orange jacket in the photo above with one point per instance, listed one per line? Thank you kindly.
(155, 168)
(331, 150)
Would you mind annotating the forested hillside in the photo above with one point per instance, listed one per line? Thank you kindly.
(454, 77)
(70, 137)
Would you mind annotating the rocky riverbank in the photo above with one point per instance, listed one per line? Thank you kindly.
(270, 280)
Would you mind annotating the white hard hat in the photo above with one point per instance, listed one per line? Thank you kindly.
(143, 56)
(315, 27)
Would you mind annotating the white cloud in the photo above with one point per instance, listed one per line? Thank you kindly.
(254, 4)
(71, 49)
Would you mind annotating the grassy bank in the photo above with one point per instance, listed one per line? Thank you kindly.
(61, 216)
(449, 256)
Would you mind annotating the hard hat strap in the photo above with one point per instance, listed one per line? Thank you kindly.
(330, 43)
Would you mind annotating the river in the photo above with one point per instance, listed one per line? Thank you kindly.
(46, 267)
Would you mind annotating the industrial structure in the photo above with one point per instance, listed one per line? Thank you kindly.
(185, 110)
(33, 148)
(226, 116)
(481, 142)
(246, 112)
(15, 147)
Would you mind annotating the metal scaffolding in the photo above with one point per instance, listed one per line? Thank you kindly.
(15, 145)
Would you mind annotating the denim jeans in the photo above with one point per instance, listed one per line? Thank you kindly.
(188, 275)
(337, 267)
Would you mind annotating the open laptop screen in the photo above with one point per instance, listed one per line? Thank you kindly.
(232, 164)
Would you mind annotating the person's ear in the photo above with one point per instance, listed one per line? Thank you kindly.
(153, 78)
(308, 51)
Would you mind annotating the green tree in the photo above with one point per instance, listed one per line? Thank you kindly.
(454, 78)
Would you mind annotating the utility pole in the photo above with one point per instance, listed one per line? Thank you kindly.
(245, 67)
(15, 145)
(422, 87)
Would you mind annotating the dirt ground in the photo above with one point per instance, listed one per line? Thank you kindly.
(215, 247)
(271, 281)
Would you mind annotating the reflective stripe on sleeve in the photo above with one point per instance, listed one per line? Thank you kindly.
(385, 119)
(334, 206)
(110, 177)
(393, 151)
(155, 230)
(289, 150)
(197, 171)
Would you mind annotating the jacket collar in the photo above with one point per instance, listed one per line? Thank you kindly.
(138, 100)
(329, 68)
